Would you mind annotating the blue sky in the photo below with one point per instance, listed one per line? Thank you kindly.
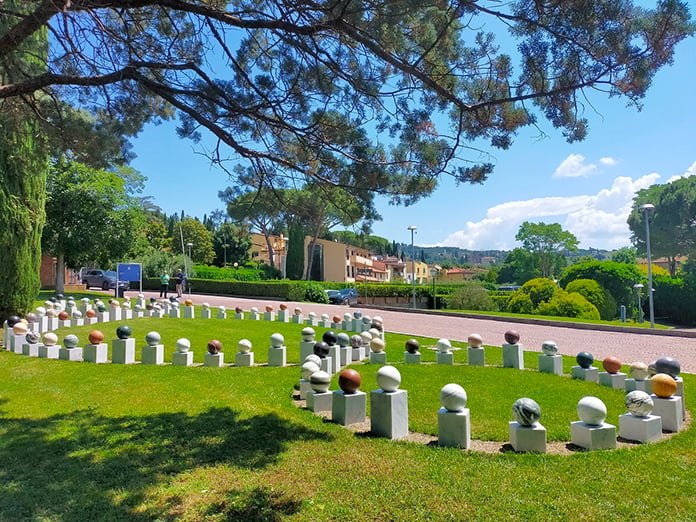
(587, 187)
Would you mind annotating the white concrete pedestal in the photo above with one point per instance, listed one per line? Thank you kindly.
(116, 314)
(612, 380)
(593, 437)
(325, 323)
(277, 356)
(91, 320)
(237, 315)
(337, 326)
(347, 325)
(223, 315)
(335, 354)
(16, 342)
(182, 359)
(306, 348)
(389, 413)
(412, 358)
(175, 313)
(244, 359)
(317, 402)
(346, 356)
(551, 364)
(31, 349)
(670, 410)
(641, 429)
(358, 353)
(349, 408)
(127, 314)
(70, 354)
(205, 313)
(269, 316)
(311, 320)
(445, 358)
(49, 352)
(254, 316)
(378, 357)
(305, 387)
(189, 312)
(214, 360)
(454, 428)
(297, 319)
(680, 392)
(530, 439)
(283, 316)
(96, 353)
(66, 323)
(476, 356)
(633, 385)
(123, 351)
(512, 356)
(327, 365)
(153, 354)
(53, 323)
(585, 374)
(103, 317)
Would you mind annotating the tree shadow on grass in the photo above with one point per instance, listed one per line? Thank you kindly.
(84, 466)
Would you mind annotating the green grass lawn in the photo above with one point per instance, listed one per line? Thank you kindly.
(109, 442)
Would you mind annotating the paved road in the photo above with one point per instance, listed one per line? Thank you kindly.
(629, 347)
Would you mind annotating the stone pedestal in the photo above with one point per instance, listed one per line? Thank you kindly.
(189, 312)
(138, 315)
(5, 335)
(175, 313)
(585, 374)
(325, 323)
(157, 314)
(680, 392)
(551, 364)
(476, 356)
(237, 315)
(214, 360)
(283, 316)
(347, 325)
(244, 359)
(349, 408)
(454, 428)
(327, 365)
(49, 352)
(378, 357)
(346, 355)
(31, 349)
(633, 385)
(96, 353)
(317, 402)
(306, 348)
(445, 358)
(389, 413)
(52, 324)
(103, 317)
(205, 313)
(358, 354)
(612, 380)
(593, 437)
(123, 351)
(670, 410)
(269, 316)
(223, 315)
(512, 356)
(277, 356)
(531, 439)
(66, 323)
(127, 314)
(254, 316)
(641, 429)
(70, 354)
(16, 342)
(336, 326)
(305, 387)
(182, 359)
(297, 319)
(335, 354)
(116, 314)
(412, 358)
(311, 321)
(153, 354)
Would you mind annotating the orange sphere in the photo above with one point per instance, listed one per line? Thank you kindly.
(269, 308)
(663, 385)
(188, 302)
(283, 306)
(95, 337)
(91, 313)
(611, 364)
(336, 319)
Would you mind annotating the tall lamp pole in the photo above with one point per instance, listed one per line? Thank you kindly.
(188, 276)
(413, 228)
(647, 208)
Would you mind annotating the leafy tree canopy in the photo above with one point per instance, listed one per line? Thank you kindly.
(547, 242)
(192, 231)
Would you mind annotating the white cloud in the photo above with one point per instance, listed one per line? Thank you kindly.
(574, 166)
(691, 171)
(608, 161)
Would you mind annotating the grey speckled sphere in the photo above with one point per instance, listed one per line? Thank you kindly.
(549, 348)
(526, 411)
(639, 403)
(343, 339)
(153, 338)
(453, 397)
(356, 341)
(314, 358)
(70, 341)
(668, 365)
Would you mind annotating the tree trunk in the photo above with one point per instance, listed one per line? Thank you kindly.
(269, 245)
(60, 274)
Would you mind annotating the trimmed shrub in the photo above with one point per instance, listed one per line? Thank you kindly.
(471, 296)
(617, 278)
(539, 290)
(675, 300)
(595, 294)
(564, 304)
(314, 293)
(520, 303)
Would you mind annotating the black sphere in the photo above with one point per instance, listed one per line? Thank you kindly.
(668, 365)
(321, 349)
(584, 359)
(330, 337)
(13, 320)
(123, 332)
(53, 299)
(377, 326)
(60, 297)
(153, 300)
(412, 346)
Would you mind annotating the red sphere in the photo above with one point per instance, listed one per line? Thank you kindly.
(336, 319)
(238, 310)
(269, 308)
(63, 316)
(611, 364)
(95, 337)
(349, 381)
(91, 313)
(512, 337)
(283, 306)
(214, 346)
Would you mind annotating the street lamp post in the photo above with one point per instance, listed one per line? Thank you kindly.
(188, 276)
(433, 273)
(638, 287)
(647, 208)
(413, 228)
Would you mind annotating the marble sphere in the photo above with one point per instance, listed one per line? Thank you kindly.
(277, 340)
(126, 305)
(153, 338)
(40, 311)
(124, 331)
(668, 365)
(375, 332)
(141, 295)
(453, 397)
(175, 305)
(378, 319)
(101, 308)
(444, 346)
(321, 349)
(32, 317)
(205, 306)
(314, 358)
(95, 337)
(663, 385)
(20, 328)
(173, 299)
(91, 313)
(388, 378)
(153, 299)
(639, 371)
(32, 337)
(308, 368)
(343, 339)
(312, 316)
(298, 310)
(214, 346)
(63, 315)
(366, 338)
(639, 403)
(366, 319)
(237, 310)
(188, 302)
(651, 369)
(377, 345)
(329, 337)
(254, 310)
(283, 306)
(584, 359)
(115, 304)
(148, 306)
(320, 381)
(77, 314)
(269, 308)
(59, 297)
(324, 317)
(592, 411)
(138, 307)
(526, 411)
(475, 340)
(183, 345)
(377, 326)
(50, 339)
(611, 364)
(13, 320)
(357, 314)
(549, 348)
(126, 299)
(308, 334)
(70, 341)
(347, 316)
(356, 341)
(85, 300)
(50, 312)
(512, 337)
(336, 319)
(244, 346)
(412, 346)
(349, 381)
(48, 304)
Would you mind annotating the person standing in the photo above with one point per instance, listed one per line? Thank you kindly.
(164, 284)
(180, 279)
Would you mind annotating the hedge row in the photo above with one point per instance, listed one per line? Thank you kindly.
(289, 290)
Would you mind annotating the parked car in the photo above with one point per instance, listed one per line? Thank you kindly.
(104, 279)
(346, 296)
(331, 294)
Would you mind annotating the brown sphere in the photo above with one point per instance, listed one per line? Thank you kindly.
(269, 308)
(412, 346)
(283, 306)
(91, 313)
(349, 381)
(663, 385)
(95, 337)
(214, 346)
(512, 337)
(188, 302)
(611, 364)
(337, 319)
(63, 316)
(238, 310)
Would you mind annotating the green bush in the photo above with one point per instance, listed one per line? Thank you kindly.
(500, 301)
(314, 293)
(471, 296)
(539, 290)
(226, 274)
(520, 303)
(617, 278)
(595, 294)
(675, 300)
(564, 304)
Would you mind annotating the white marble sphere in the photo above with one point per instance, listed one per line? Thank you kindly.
(157, 307)
(50, 339)
(375, 332)
(127, 305)
(126, 299)
(549, 348)
(312, 316)
(254, 310)
(347, 317)
(324, 317)
(153, 338)
(70, 341)
(297, 310)
(308, 368)
(41, 311)
(50, 312)
(308, 334)
(221, 308)
(356, 341)
(453, 397)
(639, 403)
(76, 314)
(205, 306)
(475, 340)
(115, 304)
(138, 307)
(444, 346)
(244, 346)
(183, 345)
(85, 300)
(343, 339)
(639, 371)
(366, 319)
(526, 411)
(592, 410)
(320, 381)
(277, 340)
(388, 378)
(378, 319)
(377, 345)
(48, 304)
(20, 328)
(366, 338)
(314, 358)
(175, 304)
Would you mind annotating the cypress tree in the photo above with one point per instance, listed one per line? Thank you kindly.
(294, 266)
